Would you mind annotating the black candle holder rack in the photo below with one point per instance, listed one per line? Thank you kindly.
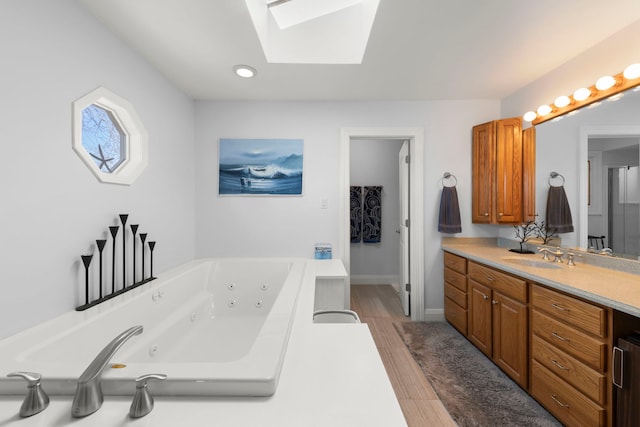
(125, 287)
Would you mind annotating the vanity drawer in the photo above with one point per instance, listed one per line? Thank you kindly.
(456, 279)
(583, 315)
(510, 286)
(576, 343)
(455, 315)
(455, 262)
(456, 295)
(590, 382)
(563, 401)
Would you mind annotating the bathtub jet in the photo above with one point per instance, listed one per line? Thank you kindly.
(214, 327)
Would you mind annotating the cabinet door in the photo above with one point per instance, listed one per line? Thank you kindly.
(529, 174)
(483, 176)
(510, 337)
(479, 327)
(509, 170)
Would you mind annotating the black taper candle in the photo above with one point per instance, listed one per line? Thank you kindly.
(123, 220)
(143, 237)
(134, 230)
(86, 260)
(152, 245)
(114, 232)
(100, 244)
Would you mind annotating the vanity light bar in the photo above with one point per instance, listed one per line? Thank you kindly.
(606, 87)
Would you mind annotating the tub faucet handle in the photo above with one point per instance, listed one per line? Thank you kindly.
(143, 401)
(36, 400)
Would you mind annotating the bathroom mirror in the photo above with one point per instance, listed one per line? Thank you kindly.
(603, 179)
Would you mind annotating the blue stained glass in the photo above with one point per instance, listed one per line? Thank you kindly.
(103, 138)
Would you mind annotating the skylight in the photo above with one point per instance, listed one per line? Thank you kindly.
(313, 31)
(288, 13)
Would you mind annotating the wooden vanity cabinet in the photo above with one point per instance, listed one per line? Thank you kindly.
(455, 291)
(497, 194)
(498, 319)
(570, 344)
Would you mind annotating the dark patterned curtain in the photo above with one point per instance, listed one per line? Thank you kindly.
(372, 214)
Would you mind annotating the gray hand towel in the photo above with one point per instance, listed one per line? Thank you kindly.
(558, 212)
(449, 219)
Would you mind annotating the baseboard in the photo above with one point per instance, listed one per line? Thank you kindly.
(369, 279)
(434, 315)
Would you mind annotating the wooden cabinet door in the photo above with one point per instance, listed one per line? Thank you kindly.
(529, 174)
(509, 170)
(483, 176)
(510, 333)
(479, 328)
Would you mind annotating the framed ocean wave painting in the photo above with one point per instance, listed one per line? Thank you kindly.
(260, 167)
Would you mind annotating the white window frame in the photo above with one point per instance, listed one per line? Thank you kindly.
(137, 138)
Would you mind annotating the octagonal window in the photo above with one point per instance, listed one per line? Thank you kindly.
(109, 137)
(103, 138)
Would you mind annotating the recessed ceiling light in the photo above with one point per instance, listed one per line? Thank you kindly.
(245, 71)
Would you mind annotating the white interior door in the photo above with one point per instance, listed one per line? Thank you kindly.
(403, 160)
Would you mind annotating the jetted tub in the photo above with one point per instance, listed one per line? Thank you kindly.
(214, 327)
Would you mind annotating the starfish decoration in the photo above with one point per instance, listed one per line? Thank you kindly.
(102, 160)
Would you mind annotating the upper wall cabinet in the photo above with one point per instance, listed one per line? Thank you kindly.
(499, 158)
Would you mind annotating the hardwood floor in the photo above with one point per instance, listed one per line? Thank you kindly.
(379, 306)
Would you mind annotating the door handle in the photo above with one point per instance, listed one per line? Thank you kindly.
(617, 361)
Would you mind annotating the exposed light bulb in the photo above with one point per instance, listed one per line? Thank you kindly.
(605, 82)
(562, 101)
(529, 116)
(632, 72)
(581, 94)
(544, 109)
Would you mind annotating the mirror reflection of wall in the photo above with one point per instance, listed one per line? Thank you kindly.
(612, 125)
(614, 210)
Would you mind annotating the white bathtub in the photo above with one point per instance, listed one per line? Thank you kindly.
(214, 327)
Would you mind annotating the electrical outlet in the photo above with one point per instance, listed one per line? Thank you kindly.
(324, 203)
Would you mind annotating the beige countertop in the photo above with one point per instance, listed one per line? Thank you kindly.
(612, 288)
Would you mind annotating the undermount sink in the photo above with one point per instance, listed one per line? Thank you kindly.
(536, 263)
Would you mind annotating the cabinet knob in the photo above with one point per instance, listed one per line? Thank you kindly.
(486, 214)
(494, 302)
(485, 296)
(500, 214)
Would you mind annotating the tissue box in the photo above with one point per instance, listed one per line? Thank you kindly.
(323, 251)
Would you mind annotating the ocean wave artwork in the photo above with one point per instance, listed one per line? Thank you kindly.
(260, 166)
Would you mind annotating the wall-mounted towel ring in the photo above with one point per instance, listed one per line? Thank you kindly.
(448, 175)
(554, 175)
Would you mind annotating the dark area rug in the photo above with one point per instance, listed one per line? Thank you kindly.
(474, 390)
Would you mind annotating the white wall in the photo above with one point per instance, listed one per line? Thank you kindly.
(52, 207)
(289, 226)
(375, 162)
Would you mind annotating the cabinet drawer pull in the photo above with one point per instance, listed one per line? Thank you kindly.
(559, 307)
(561, 338)
(500, 214)
(555, 399)
(490, 278)
(555, 362)
(486, 214)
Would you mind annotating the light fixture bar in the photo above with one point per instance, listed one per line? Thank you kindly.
(595, 96)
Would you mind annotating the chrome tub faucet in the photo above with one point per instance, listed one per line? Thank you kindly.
(88, 398)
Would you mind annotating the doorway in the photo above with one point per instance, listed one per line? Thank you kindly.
(415, 239)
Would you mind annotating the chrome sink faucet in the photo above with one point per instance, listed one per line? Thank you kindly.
(88, 398)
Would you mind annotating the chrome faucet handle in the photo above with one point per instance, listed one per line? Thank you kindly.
(143, 401)
(545, 253)
(36, 400)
